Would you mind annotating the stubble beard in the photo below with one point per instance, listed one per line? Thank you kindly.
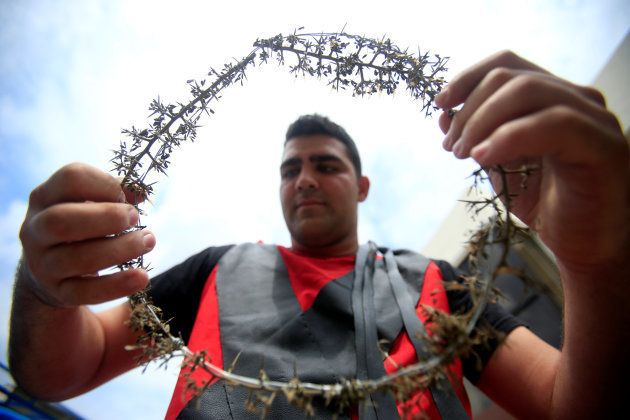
(320, 232)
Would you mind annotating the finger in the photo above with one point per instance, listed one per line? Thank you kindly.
(79, 258)
(89, 290)
(460, 87)
(559, 132)
(493, 81)
(70, 222)
(444, 121)
(132, 193)
(538, 93)
(496, 79)
(465, 82)
(77, 182)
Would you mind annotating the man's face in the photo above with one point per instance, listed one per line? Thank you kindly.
(319, 191)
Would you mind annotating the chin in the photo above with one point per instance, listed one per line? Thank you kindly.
(315, 235)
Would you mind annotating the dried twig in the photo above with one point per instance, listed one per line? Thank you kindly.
(365, 66)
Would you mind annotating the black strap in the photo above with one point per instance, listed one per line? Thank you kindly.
(369, 356)
(446, 401)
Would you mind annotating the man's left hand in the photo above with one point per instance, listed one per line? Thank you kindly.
(514, 114)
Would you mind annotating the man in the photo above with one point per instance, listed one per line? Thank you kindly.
(513, 112)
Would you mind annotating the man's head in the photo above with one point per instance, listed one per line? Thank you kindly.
(309, 125)
(321, 186)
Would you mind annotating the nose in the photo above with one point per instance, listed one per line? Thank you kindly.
(306, 180)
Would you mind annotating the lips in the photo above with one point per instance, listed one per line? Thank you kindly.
(307, 202)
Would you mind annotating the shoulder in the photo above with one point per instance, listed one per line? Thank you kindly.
(197, 265)
(177, 290)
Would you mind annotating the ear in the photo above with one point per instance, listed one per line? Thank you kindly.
(364, 188)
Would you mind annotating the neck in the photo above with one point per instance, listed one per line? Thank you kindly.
(346, 247)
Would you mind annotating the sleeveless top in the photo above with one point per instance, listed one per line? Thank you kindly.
(255, 313)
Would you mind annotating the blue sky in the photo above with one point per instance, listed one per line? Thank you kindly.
(73, 73)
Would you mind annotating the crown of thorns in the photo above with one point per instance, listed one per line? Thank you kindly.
(354, 63)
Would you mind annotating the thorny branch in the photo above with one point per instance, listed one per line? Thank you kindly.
(365, 66)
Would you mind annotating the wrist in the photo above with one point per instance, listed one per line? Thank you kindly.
(27, 283)
(597, 288)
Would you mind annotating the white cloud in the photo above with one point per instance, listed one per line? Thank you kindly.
(10, 222)
(10, 250)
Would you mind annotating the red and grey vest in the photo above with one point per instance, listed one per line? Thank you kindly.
(249, 309)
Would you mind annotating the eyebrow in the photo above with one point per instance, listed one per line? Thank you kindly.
(314, 158)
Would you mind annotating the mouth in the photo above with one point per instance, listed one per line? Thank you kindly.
(310, 202)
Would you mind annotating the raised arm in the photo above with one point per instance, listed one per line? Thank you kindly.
(58, 347)
(578, 201)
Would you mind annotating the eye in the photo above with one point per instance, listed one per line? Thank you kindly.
(327, 169)
(290, 172)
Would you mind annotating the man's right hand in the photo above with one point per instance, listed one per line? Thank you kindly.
(73, 229)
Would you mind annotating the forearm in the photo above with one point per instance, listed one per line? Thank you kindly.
(53, 352)
(75, 226)
(594, 370)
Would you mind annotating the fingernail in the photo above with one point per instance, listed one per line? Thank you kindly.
(122, 198)
(446, 143)
(133, 216)
(457, 149)
(148, 240)
(441, 97)
(480, 151)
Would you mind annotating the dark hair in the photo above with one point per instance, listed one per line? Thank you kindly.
(313, 124)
